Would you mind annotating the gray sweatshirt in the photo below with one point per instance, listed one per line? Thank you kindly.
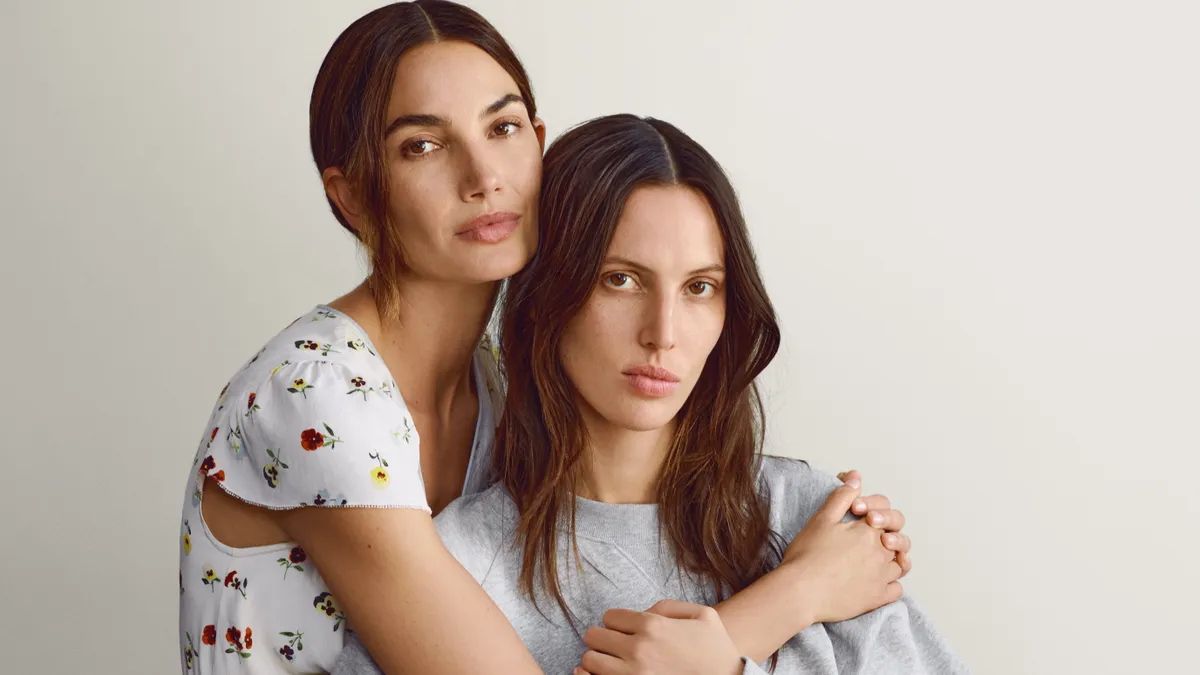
(627, 565)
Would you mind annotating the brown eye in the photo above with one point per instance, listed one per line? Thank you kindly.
(505, 129)
(618, 280)
(701, 288)
(419, 147)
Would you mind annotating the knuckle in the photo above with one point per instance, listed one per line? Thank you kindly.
(652, 625)
(589, 661)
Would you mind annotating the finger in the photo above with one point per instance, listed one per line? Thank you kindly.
(871, 503)
(603, 664)
(905, 563)
(895, 541)
(627, 621)
(837, 504)
(580, 671)
(607, 641)
(894, 571)
(890, 520)
(892, 593)
(677, 609)
(847, 475)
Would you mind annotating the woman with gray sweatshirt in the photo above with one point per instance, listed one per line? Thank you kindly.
(632, 495)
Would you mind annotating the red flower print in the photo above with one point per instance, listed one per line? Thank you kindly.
(358, 382)
(311, 439)
(209, 636)
(250, 403)
(208, 464)
(234, 637)
(295, 557)
(219, 476)
(287, 652)
(230, 578)
(223, 390)
(214, 434)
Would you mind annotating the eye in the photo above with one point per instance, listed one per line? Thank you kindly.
(701, 289)
(506, 128)
(418, 147)
(619, 280)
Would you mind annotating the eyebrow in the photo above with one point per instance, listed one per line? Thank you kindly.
(626, 262)
(426, 120)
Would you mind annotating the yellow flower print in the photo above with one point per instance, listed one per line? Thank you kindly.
(325, 605)
(210, 578)
(299, 386)
(279, 367)
(187, 545)
(380, 473)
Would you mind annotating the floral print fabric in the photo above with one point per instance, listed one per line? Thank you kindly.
(314, 419)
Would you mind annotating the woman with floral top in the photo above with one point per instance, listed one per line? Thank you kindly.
(310, 497)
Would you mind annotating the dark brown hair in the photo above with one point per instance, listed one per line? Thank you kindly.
(350, 100)
(710, 506)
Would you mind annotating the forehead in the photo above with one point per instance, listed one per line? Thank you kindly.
(668, 228)
(447, 78)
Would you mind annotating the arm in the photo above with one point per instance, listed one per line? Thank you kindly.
(785, 601)
(412, 604)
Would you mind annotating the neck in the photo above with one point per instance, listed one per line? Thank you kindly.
(621, 466)
(429, 344)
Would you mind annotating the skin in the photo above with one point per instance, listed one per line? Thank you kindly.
(416, 609)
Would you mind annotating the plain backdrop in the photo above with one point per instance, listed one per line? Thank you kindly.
(979, 224)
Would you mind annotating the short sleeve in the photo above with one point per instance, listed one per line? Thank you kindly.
(318, 433)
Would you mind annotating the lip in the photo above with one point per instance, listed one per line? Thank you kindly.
(490, 227)
(652, 381)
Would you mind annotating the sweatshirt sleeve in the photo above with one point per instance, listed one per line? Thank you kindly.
(894, 638)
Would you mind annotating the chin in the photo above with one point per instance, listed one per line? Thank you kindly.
(500, 261)
(643, 415)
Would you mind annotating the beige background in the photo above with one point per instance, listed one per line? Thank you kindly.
(980, 226)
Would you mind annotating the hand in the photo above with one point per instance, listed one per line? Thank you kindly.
(878, 512)
(844, 570)
(671, 637)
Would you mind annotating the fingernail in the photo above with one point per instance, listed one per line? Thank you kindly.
(853, 482)
(859, 505)
(876, 518)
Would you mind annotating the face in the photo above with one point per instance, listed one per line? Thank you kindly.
(636, 349)
(464, 165)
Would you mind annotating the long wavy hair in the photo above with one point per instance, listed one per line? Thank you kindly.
(710, 506)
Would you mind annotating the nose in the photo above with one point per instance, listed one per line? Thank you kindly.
(479, 179)
(658, 328)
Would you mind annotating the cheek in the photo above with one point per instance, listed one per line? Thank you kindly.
(592, 342)
(704, 330)
(524, 166)
(417, 200)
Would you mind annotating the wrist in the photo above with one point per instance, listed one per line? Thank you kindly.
(799, 584)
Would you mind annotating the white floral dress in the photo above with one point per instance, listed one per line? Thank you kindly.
(314, 419)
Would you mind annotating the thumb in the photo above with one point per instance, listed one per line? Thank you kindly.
(677, 609)
(838, 503)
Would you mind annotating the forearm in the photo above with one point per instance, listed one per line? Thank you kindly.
(765, 615)
(410, 602)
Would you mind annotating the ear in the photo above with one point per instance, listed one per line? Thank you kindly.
(539, 128)
(338, 189)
